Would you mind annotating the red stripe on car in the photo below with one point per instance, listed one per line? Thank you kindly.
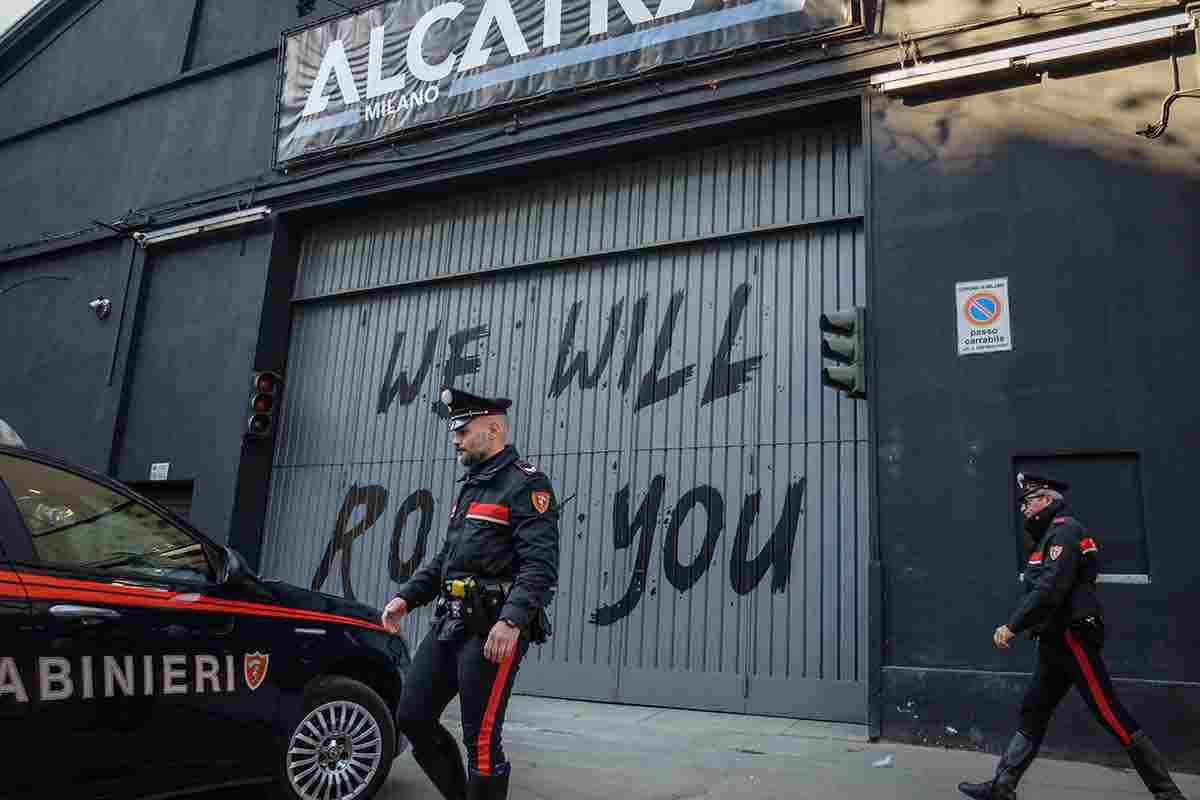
(45, 587)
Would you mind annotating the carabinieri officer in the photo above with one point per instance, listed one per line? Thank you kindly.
(492, 581)
(1061, 612)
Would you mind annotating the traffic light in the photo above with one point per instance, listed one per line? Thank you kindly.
(843, 337)
(264, 398)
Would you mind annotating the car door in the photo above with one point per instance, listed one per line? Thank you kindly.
(142, 673)
(16, 655)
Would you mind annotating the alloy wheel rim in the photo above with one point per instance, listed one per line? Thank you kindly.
(334, 752)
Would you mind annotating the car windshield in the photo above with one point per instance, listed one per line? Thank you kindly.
(76, 522)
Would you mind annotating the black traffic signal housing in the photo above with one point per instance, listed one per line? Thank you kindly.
(264, 400)
(843, 341)
(304, 7)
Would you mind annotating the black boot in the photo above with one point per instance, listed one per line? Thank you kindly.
(489, 787)
(1150, 765)
(440, 758)
(1015, 759)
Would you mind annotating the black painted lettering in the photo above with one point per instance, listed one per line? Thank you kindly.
(625, 531)
(724, 378)
(652, 391)
(458, 363)
(637, 325)
(777, 553)
(682, 576)
(374, 498)
(402, 388)
(564, 375)
(420, 500)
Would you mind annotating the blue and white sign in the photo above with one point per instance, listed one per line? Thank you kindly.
(398, 66)
(984, 319)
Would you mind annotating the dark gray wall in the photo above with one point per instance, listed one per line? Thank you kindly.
(56, 356)
(228, 29)
(1094, 227)
(193, 360)
(187, 137)
(117, 47)
(196, 137)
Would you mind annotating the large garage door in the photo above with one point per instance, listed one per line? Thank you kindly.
(654, 322)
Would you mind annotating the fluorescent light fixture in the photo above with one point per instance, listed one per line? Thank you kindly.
(965, 71)
(1040, 52)
(1100, 45)
(243, 217)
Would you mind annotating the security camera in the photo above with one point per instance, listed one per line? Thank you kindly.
(101, 305)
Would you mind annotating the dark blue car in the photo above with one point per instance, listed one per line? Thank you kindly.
(137, 657)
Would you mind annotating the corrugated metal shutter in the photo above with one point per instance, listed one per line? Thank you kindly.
(654, 323)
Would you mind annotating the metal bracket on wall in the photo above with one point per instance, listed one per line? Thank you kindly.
(1193, 12)
(1153, 130)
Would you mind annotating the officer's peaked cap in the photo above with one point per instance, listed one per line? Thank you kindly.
(1028, 485)
(463, 406)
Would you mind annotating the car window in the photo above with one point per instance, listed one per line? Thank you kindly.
(80, 524)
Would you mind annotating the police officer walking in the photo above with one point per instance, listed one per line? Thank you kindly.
(491, 581)
(1062, 613)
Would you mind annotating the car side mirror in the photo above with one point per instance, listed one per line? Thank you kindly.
(234, 570)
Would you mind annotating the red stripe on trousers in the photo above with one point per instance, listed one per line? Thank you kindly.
(483, 745)
(1097, 693)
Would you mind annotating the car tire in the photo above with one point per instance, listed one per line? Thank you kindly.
(345, 738)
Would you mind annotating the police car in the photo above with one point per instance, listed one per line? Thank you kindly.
(137, 657)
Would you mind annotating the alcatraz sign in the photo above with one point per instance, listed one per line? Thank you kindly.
(401, 65)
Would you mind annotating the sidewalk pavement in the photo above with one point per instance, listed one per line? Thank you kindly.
(571, 750)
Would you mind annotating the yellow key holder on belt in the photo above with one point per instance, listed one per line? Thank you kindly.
(458, 588)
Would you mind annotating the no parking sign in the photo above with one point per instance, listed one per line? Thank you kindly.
(983, 316)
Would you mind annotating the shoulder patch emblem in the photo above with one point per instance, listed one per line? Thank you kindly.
(541, 501)
(1055, 552)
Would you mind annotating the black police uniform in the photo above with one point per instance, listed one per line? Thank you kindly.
(503, 533)
(1061, 611)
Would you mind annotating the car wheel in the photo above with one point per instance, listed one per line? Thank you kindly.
(342, 747)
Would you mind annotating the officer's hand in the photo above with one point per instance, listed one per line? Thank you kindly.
(394, 612)
(1002, 637)
(501, 642)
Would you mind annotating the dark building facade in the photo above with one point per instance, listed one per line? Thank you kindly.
(640, 258)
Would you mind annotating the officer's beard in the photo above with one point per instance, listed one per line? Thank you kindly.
(473, 452)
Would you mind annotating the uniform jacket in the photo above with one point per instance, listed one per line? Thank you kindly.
(1060, 579)
(504, 526)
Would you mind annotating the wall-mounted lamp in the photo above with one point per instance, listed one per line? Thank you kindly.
(102, 306)
(243, 217)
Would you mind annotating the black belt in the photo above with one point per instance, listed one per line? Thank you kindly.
(457, 588)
